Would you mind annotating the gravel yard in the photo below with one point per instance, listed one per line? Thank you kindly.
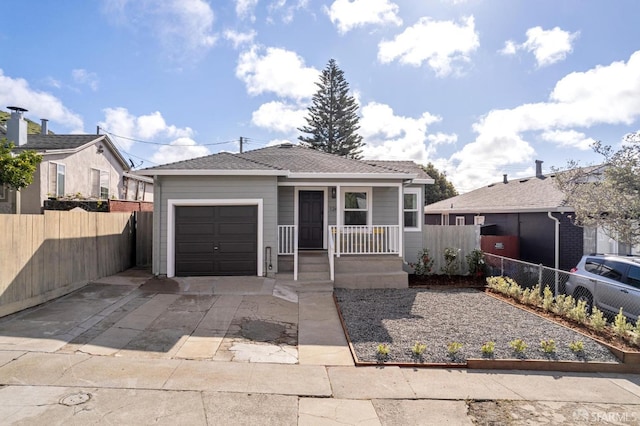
(436, 318)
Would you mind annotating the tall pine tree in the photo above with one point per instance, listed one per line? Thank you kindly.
(332, 123)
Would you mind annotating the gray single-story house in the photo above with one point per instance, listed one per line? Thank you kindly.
(290, 211)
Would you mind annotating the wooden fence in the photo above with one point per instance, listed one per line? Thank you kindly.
(437, 238)
(144, 238)
(46, 256)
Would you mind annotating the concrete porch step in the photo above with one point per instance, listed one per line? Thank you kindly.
(368, 264)
(314, 276)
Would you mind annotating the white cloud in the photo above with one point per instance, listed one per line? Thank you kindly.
(276, 70)
(568, 138)
(120, 122)
(83, 76)
(603, 95)
(350, 14)
(548, 46)
(442, 44)
(279, 117)
(392, 137)
(17, 92)
(286, 11)
(183, 27)
(238, 38)
(178, 150)
(245, 9)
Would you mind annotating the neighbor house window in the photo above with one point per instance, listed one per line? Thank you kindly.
(444, 219)
(412, 213)
(4, 192)
(140, 191)
(356, 207)
(99, 184)
(56, 179)
(460, 220)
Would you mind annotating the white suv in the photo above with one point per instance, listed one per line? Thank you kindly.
(609, 282)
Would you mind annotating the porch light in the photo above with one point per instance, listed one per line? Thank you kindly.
(333, 192)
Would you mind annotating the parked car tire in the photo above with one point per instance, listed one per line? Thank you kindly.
(582, 294)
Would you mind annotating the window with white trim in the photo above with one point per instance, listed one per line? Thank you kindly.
(444, 219)
(459, 220)
(142, 187)
(411, 207)
(99, 184)
(356, 207)
(56, 179)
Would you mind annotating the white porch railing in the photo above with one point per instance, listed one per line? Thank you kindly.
(288, 245)
(357, 239)
(332, 253)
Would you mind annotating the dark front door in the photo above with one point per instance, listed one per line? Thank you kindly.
(311, 219)
(216, 240)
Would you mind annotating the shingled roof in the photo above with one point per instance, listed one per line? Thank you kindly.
(51, 142)
(288, 159)
(520, 195)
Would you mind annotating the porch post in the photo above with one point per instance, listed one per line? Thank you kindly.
(400, 220)
(338, 219)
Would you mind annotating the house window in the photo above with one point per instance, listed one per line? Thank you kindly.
(478, 220)
(3, 193)
(412, 209)
(99, 184)
(444, 219)
(56, 179)
(459, 220)
(356, 207)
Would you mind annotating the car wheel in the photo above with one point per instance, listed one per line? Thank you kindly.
(581, 294)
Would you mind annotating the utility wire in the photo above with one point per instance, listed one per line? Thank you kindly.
(161, 143)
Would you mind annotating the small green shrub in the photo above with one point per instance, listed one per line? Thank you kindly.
(548, 346)
(533, 296)
(620, 325)
(579, 312)
(518, 346)
(597, 320)
(488, 348)
(476, 263)
(424, 265)
(563, 304)
(515, 291)
(577, 346)
(453, 348)
(450, 261)
(383, 350)
(547, 299)
(418, 349)
(636, 333)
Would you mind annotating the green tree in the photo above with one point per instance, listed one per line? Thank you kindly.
(607, 196)
(332, 123)
(441, 188)
(16, 171)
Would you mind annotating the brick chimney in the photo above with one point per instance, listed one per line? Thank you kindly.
(539, 169)
(17, 126)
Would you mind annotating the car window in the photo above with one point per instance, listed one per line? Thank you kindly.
(633, 277)
(613, 270)
(593, 265)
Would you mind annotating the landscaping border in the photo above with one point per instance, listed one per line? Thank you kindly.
(629, 361)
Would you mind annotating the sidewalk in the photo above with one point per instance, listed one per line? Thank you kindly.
(46, 379)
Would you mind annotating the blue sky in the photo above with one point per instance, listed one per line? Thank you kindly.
(478, 87)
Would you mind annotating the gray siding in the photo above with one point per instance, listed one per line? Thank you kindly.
(385, 206)
(286, 205)
(213, 187)
(414, 240)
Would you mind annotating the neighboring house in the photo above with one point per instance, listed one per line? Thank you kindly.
(272, 210)
(523, 218)
(73, 167)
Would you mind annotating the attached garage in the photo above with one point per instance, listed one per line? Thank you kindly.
(218, 239)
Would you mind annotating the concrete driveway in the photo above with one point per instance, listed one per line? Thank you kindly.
(132, 314)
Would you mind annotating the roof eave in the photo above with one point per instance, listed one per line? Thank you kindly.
(307, 175)
(493, 210)
(202, 172)
(424, 181)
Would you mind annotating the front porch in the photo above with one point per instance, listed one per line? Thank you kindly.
(357, 257)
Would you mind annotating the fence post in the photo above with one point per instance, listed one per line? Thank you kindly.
(501, 266)
(540, 275)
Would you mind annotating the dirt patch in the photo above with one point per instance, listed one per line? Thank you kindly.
(445, 281)
(267, 331)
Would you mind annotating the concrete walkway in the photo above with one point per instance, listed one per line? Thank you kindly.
(129, 350)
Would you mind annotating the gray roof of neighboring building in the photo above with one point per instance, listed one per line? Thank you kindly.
(51, 142)
(289, 158)
(402, 166)
(518, 195)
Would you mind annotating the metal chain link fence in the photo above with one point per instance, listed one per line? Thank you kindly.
(605, 294)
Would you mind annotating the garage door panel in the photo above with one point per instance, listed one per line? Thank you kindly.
(232, 229)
